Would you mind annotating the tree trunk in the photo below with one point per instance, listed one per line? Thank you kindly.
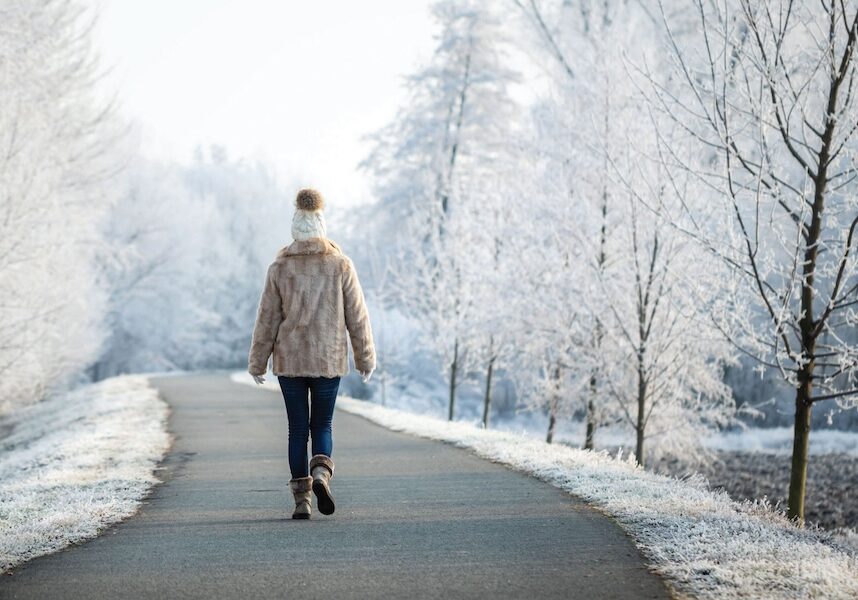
(801, 438)
(808, 326)
(592, 423)
(591, 426)
(639, 446)
(552, 424)
(552, 406)
(641, 420)
(807, 323)
(453, 368)
(591, 416)
(487, 400)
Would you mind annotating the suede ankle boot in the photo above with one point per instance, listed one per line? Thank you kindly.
(301, 490)
(321, 470)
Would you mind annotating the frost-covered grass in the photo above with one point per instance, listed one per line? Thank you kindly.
(705, 544)
(75, 463)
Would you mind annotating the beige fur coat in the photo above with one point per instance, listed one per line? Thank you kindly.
(312, 301)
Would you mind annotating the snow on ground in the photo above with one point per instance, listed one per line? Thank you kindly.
(704, 544)
(76, 463)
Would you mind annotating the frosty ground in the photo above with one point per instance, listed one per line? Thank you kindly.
(749, 464)
(76, 463)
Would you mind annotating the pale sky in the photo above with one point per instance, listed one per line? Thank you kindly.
(294, 83)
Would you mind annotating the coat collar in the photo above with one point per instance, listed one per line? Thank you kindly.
(314, 245)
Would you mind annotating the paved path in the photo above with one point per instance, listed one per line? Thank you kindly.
(415, 519)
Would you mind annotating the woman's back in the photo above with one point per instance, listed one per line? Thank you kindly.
(311, 303)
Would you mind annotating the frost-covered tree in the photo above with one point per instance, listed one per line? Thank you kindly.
(241, 206)
(578, 126)
(148, 268)
(498, 212)
(666, 358)
(544, 284)
(433, 286)
(550, 369)
(429, 164)
(187, 248)
(769, 96)
(56, 154)
(489, 266)
(455, 119)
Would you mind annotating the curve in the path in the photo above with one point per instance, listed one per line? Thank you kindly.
(415, 519)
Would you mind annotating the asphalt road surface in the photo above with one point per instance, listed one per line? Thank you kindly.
(415, 519)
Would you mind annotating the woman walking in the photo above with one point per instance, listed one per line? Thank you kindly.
(311, 299)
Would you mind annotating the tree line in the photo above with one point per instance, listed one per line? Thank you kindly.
(670, 193)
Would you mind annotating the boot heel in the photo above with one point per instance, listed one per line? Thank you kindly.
(324, 498)
(322, 469)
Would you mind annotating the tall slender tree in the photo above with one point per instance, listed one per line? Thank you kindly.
(769, 97)
(428, 164)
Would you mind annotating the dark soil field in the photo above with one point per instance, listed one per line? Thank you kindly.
(832, 498)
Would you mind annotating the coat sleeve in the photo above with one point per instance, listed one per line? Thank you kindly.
(357, 320)
(268, 319)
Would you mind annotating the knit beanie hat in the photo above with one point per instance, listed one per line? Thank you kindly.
(308, 221)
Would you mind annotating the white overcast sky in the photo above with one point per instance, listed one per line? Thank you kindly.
(295, 83)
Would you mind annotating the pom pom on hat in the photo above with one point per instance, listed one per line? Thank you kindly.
(310, 200)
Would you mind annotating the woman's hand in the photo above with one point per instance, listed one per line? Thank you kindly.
(259, 379)
(366, 375)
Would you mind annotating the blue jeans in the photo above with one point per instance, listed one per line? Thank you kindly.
(303, 420)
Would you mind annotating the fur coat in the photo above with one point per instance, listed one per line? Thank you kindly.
(312, 301)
